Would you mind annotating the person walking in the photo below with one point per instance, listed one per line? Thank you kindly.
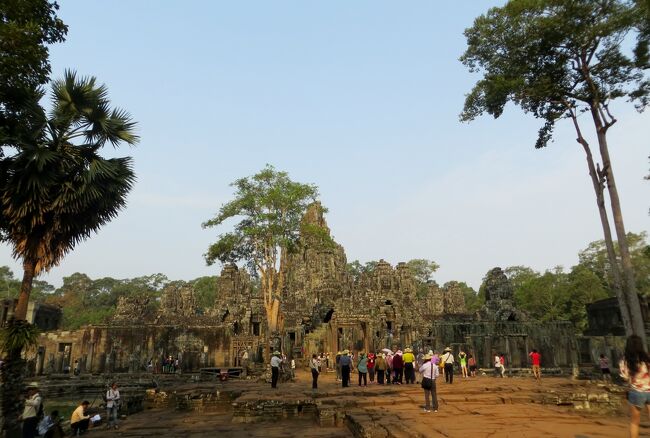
(276, 361)
(536, 359)
(293, 369)
(398, 367)
(33, 406)
(380, 366)
(346, 362)
(371, 367)
(362, 369)
(462, 360)
(634, 368)
(112, 405)
(430, 373)
(409, 365)
(313, 365)
(448, 361)
(497, 366)
(389, 367)
(502, 361)
(337, 360)
(471, 361)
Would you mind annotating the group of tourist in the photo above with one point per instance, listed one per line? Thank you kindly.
(170, 365)
(36, 423)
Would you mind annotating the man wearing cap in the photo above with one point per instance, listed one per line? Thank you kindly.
(30, 413)
(346, 362)
(430, 372)
(275, 368)
(448, 359)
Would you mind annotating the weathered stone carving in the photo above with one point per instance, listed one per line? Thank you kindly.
(499, 298)
(131, 309)
(178, 300)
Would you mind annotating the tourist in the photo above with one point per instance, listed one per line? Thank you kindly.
(448, 361)
(389, 366)
(337, 360)
(380, 366)
(502, 360)
(276, 361)
(536, 358)
(293, 368)
(471, 361)
(112, 405)
(313, 365)
(371, 367)
(50, 426)
(497, 366)
(398, 368)
(603, 363)
(462, 360)
(409, 362)
(362, 369)
(346, 362)
(177, 366)
(327, 362)
(320, 363)
(244, 360)
(79, 421)
(33, 406)
(430, 373)
(634, 368)
(150, 366)
(77, 367)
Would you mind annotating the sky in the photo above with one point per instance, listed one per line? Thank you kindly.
(359, 98)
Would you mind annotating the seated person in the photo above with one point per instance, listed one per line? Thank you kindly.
(50, 426)
(79, 421)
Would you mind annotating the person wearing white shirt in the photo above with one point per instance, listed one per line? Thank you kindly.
(430, 372)
(112, 405)
(275, 368)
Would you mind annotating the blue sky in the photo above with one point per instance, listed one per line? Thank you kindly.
(360, 98)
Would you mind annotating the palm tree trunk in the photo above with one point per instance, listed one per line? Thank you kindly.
(11, 391)
(29, 269)
(629, 282)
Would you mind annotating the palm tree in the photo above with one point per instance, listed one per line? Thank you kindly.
(57, 190)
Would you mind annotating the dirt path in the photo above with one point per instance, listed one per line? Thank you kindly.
(480, 407)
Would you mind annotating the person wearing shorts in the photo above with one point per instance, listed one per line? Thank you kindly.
(634, 368)
(536, 359)
(603, 363)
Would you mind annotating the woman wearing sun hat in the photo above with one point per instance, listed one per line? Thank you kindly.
(430, 373)
(409, 364)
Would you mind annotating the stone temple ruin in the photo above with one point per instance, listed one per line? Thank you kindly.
(324, 308)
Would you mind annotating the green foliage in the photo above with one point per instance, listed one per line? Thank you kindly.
(556, 295)
(473, 302)
(17, 336)
(10, 286)
(56, 189)
(270, 207)
(423, 269)
(595, 258)
(548, 56)
(356, 269)
(86, 301)
(205, 291)
(27, 27)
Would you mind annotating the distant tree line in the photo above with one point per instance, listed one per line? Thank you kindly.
(554, 294)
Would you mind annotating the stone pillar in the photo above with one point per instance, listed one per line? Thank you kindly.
(40, 360)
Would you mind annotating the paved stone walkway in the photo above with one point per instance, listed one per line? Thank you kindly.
(479, 407)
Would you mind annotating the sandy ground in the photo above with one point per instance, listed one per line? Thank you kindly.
(477, 407)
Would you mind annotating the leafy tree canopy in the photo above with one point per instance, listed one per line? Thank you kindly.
(594, 258)
(549, 56)
(269, 207)
(26, 28)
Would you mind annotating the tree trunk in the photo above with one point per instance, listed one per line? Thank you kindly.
(609, 243)
(29, 268)
(12, 376)
(629, 286)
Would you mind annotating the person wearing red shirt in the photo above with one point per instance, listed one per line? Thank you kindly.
(536, 358)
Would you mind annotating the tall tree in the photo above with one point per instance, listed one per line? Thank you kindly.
(26, 28)
(557, 59)
(57, 190)
(270, 207)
